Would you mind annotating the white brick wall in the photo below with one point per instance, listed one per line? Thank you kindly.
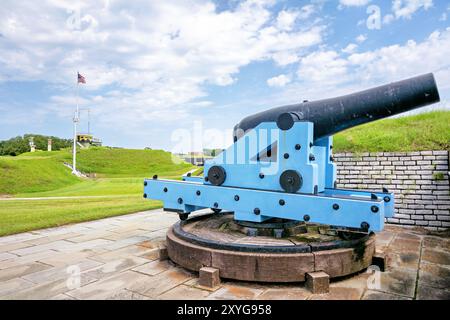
(419, 180)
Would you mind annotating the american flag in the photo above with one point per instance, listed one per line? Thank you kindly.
(81, 79)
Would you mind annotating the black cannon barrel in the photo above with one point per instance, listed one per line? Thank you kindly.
(336, 114)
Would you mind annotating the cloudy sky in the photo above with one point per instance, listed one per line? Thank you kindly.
(153, 67)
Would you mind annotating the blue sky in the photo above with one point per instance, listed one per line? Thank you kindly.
(155, 68)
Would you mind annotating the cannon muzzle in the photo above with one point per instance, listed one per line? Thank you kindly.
(336, 114)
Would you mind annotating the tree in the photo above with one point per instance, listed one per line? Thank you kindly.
(19, 145)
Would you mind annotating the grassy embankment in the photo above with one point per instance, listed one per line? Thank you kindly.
(426, 131)
(119, 177)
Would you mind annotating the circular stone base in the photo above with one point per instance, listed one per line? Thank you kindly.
(218, 241)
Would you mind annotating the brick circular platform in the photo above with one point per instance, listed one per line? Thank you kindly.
(204, 242)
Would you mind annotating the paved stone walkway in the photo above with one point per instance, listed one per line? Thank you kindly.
(116, 258)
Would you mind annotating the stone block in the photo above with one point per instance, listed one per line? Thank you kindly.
(209, 277)
(406, 221)
(162, 252)
(318, 282)
(380, 260)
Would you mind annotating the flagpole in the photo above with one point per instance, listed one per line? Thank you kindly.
(75, 121)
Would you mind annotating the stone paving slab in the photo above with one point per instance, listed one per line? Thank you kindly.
(339, 293)
(117, 258)
(154, 267)
(14, 285)
(47, 290)
(48, 239)
(287, 293)
(115, 267)
(60, 273)
(22, 270)
(398, 281)
(158, 284)
(132, 250)
(60, 244)
(60, 259)
(408, 260)
(108, 287)
(7, 256)
(436, 256)
(236, 291)
(13, 246)
(425, 292)
(182, 292)
(378, 295)
(19, 261)
(434, 275)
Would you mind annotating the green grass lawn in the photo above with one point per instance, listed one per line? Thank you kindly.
(118, 171)
(26, 215)
(94, 187)
(27, 174)
(425, 131)
(112, 162)
(120, 176)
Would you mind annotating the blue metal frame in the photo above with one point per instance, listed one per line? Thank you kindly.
(252, 188)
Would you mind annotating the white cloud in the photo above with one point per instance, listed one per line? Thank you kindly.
(286, 18)
(361, 38)
(396, 61)
(322, 66)
(406, 8)
(353, 3)
(387, 19)
(278, 81)
(335, 74)
(285, 58)
(306, 11)
(350, 48)
(158, 55)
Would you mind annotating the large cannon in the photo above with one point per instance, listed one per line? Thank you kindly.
(281, 163)
(336, 114)
(277, 179)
